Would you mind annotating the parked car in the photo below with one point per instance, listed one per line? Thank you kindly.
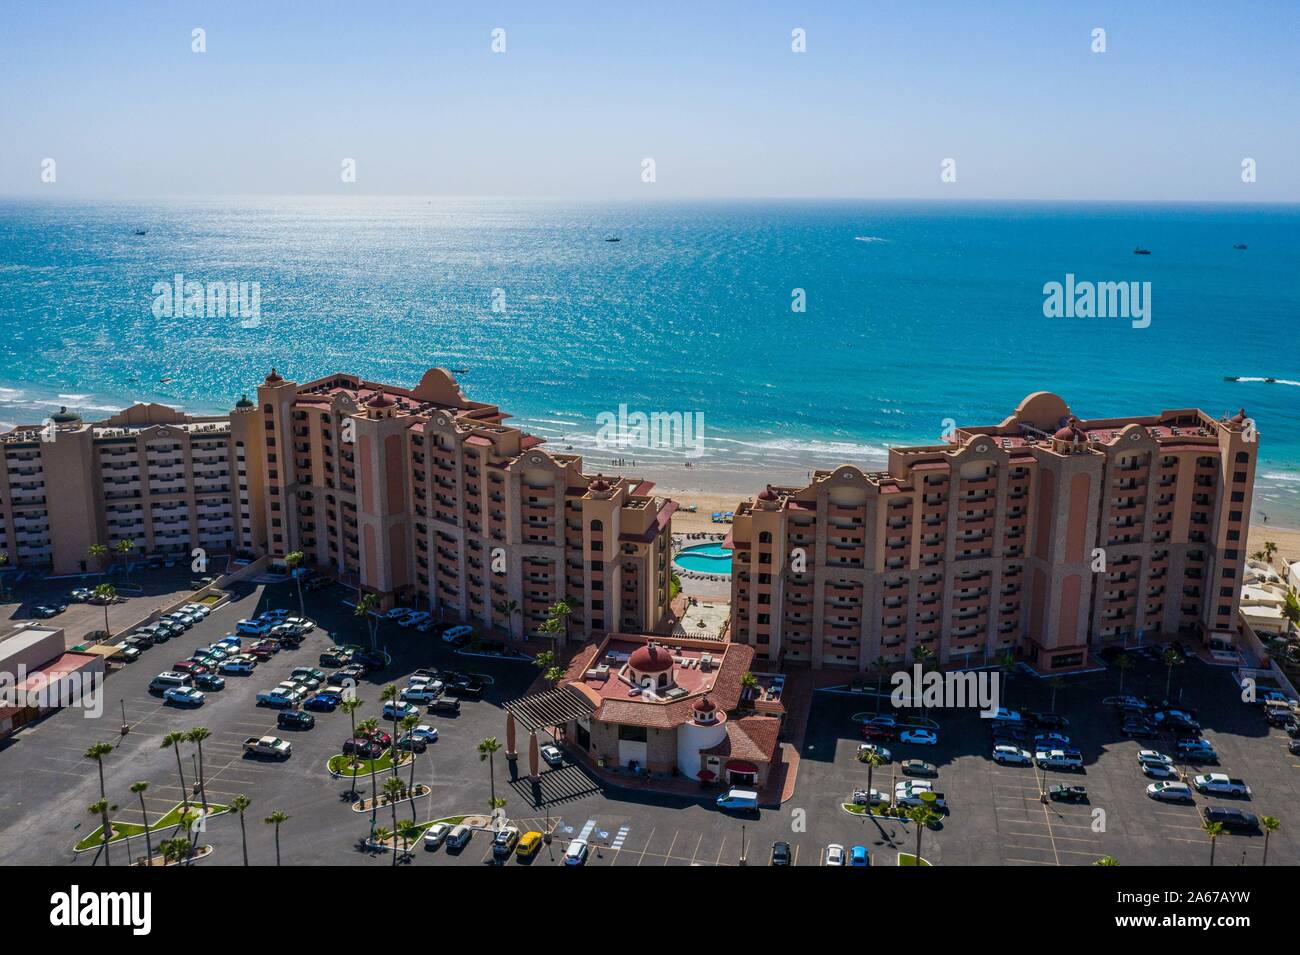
(271, 746)
(422, 692)
(45, 611)
(1221, 784)
(378, 736)
(322, 702)
(125, 653)
(919, 737)
(460, 632)
(425, 732)
(445, 707)
(503, 843)
(295, 720)
(877, 731)
(252, 628)
(1048, 721)
(1231, 819)
(781, 854)
(209, 681)
(398, 710)
(576, 853)
(865, 749)
(436, 835)
(1011, 755)
(552, 755)
(1051, 741)
(859, 857)
(459, 836)
(1059, 759)
(238, 666)
(365, 748)
(275, 698)
(184, 696)
(834, 854)
(414, 619)
(918, 767)
(1170, 792)
(920, 797)
(1063, 793)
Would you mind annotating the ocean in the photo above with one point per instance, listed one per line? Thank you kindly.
(915, 315)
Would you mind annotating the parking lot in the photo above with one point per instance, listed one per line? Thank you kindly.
(995, 814)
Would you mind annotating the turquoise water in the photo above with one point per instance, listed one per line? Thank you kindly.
(704, 559)
(915, 313)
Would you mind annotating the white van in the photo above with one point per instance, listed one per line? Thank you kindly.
(459, 836)
(167, 680)
(738, 799)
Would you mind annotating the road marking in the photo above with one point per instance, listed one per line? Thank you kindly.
(619, 838)
(586, 829)
(672, 845)
(646, 847)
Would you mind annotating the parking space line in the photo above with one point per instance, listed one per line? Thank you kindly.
(672, 845)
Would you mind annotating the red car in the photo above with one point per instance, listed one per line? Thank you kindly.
(876, 731)
(190, 667)
(366, 749)
(378, 737)
(263, 650)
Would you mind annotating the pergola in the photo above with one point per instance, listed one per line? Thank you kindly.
(552, 708)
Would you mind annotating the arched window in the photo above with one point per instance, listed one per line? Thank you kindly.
(1242, 457)
(597, 527)
(765, 537)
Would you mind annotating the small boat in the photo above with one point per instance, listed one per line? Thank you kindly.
(1240, 246)
(613, 238)
(460, 371)
(1270, 381)
(1231, 378)
(1138, 250)
(141, 231)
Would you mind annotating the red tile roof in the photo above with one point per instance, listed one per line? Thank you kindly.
(751, 737)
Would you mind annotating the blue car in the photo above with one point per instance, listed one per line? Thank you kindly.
(209, 681)
(323, 702)
(858, 856)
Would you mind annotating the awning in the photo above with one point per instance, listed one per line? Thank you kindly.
(740, 766)
(551, 708)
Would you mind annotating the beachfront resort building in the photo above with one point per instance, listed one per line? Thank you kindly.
(416, 494)
(166, 481)
(1045, 536)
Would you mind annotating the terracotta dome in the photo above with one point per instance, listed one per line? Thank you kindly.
(650, 659)
(1239, 417)
(243, 402)
(64, 416)
(379, 400)
(767, 494)
(1071, 431)
(704, 705)
(273, 377)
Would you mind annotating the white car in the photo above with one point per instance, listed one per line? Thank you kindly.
(199, 609)
(835, 854)
(422, 692)
(398, 710)
(865, 748)
(872, 797)
(1011, 755)
(1153, 756)
(1159, 770)
(553, 755)
(436, 834)
(452, 634)
(302, 623)
(912, 785)
(397, 613)
(427, 733)
(1059, 759)
(1221, 784)
(413, 619)
(576, 853)
(920, 737)
(1171, 792)
(1004, 715)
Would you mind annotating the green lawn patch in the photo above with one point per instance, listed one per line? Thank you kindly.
(127, 830)
(907, 858)
(341, 765)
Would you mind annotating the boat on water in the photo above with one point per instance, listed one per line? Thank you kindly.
(1138, 250)
(141, 231)
(1270, 381)
(460, 371)
(1231, 378)
(613, 238)
(1240, 246)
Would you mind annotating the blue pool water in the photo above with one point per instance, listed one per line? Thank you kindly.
(704, 559)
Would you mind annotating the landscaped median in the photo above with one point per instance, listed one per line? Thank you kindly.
(415, 833)
(129, 830)
(345, 766)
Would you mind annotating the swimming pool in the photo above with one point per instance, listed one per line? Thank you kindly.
(704, 559)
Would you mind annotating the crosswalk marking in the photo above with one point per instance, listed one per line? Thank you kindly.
(619, 839)
(586, 829)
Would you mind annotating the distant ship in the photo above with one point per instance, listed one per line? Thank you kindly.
(1240, 246)
(460, 371)
(1138, 250)
(613, 238)
(1231, 378)
(141, 231)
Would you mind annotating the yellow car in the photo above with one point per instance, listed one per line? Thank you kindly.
(528, 845)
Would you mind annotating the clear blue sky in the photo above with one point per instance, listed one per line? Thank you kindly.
(710, 90)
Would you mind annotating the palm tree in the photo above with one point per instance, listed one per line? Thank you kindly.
(560, 611)
(100, 809)
(880, 666)
(487, 751)
(1172, 659)
(367, 603)
(239, 804)
(274, 819)
(382, 834)
(1213, 830)
(350, 707)
(509, 608)
(174, 740)
(97, 752)
(124, 548)
(1270, 549)
(1055, 683)
(1007, 664)
(139, 789)
(392, 696)
(98, 552)
(873, 759)
(923, 815)
(409, 723)
(1123, 663)
(393, 790)
(367, 726)
(197, 736)
(106, 592)
(1107, 860)
(292, 560)
(1270, 825)
(409, 832)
